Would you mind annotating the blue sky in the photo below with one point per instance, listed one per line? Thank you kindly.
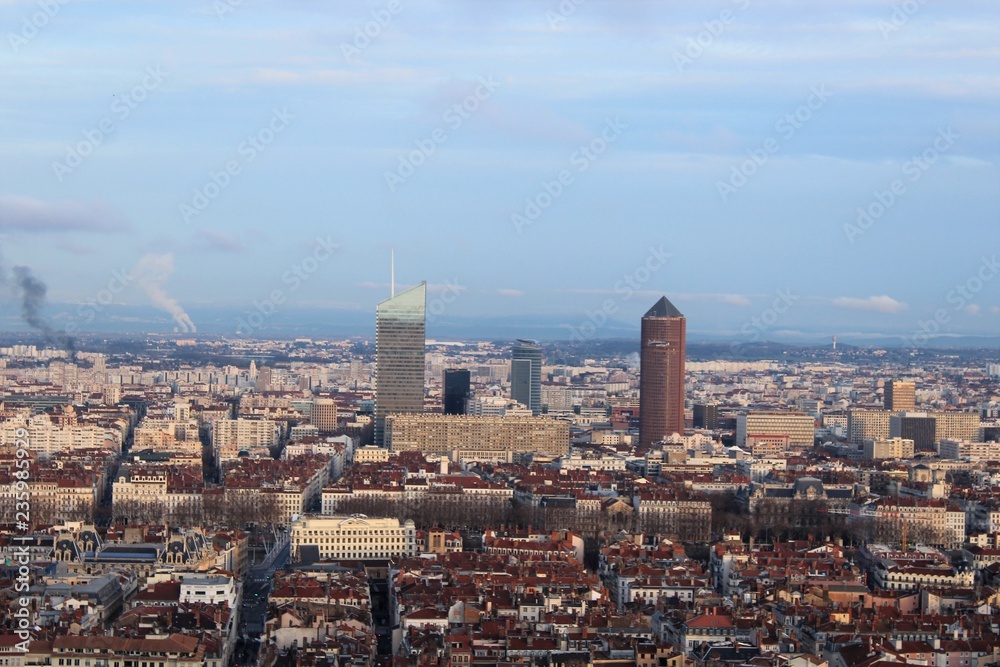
(732, 144)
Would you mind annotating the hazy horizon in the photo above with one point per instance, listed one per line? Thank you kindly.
(831, 170)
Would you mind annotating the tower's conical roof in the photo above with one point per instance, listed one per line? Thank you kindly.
(663, 308)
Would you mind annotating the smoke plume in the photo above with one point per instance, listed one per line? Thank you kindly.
(151, 272)
(31, 291)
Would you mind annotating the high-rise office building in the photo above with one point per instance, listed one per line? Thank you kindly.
(400, 331)
(706, 415)
(526, 375)
(661, 372)
(899, 396)
(865, 425)
(455, 390)
(916, 426)
(324, 414)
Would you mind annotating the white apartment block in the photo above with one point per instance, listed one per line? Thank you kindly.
(47, 438)
(354, 537)
(867, 425)
(963, 449)
(230, 436)
(956, 426)
(892, 448)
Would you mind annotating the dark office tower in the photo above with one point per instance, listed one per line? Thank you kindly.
(706, 415)
(399, 356)
(455, 390)
(526, 374)
(900, 396)
(661, 373)
(916, 426)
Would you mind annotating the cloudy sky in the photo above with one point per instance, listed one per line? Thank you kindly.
(771, 166)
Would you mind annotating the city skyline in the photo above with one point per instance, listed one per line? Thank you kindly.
(673, 126)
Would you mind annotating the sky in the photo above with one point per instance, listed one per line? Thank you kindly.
(776, 168)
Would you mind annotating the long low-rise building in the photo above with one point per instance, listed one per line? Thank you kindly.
(352, 538)
(470, 436)
(799, 427)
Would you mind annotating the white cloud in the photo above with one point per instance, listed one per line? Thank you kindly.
(26, 214)
(873, 304)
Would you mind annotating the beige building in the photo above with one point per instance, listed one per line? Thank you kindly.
(800, 428)
(956, 426)
(353, 537)
(371, 454)
(867, 425)
(324, 414)
(761, 445)
(230, 436)
(900, 396)
(894, 448)
(475, 436)
(173, 651)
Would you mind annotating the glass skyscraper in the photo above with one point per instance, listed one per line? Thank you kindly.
(400, 332)
(526, 375)
(455, 390)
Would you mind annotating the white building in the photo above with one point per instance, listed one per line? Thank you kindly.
(213, 589)
(354, 537)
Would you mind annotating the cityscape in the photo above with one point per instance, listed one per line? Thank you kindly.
(499, 333)
(272, 501)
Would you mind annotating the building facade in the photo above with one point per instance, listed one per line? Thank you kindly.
(353, 537)
(455, 390)
(800, 428)
(469, 434)
(400, 332)
(663, 342)
(526, 375)
(899, 396)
